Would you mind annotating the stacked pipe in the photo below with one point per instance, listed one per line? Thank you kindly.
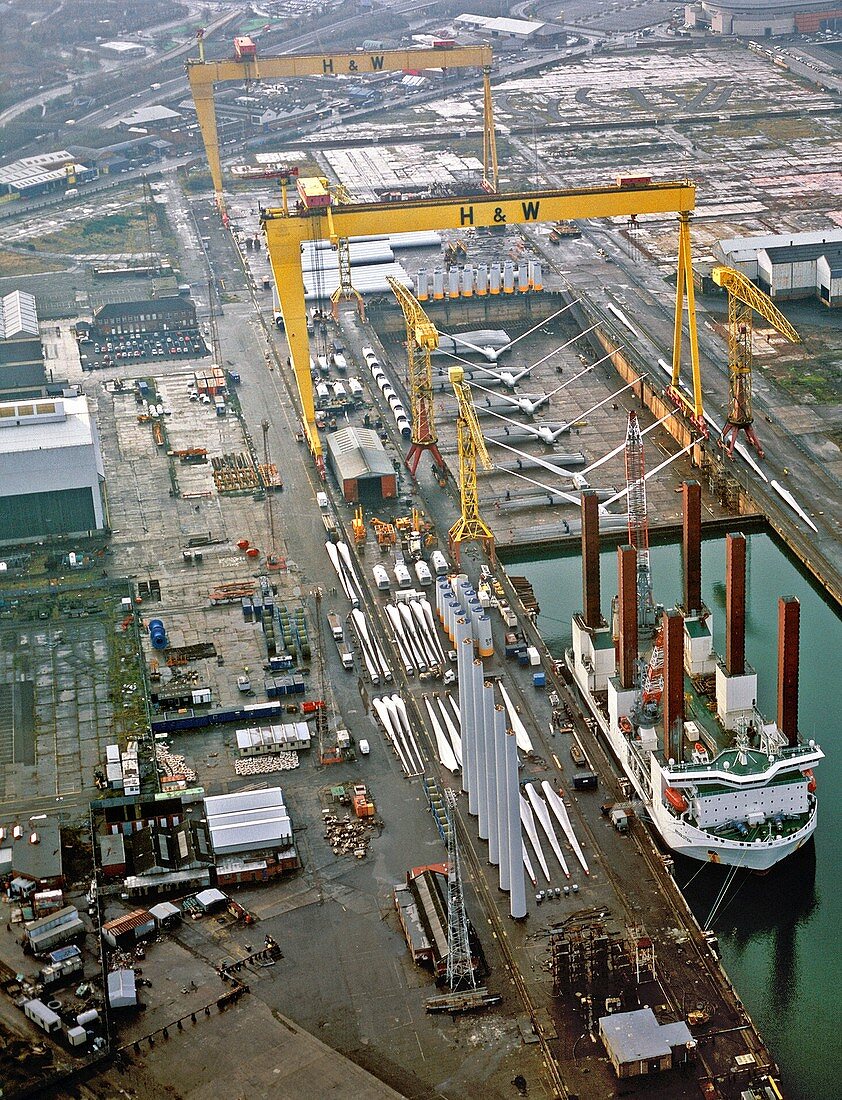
(490, 770)
(457, 597)
(481, 280)
(388, 390)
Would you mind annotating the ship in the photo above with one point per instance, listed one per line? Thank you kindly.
(719, 781)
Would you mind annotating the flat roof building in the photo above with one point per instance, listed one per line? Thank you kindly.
(51, 473)
(760, 18)
(152, 315)
(45, 172)
(31, 850)
(637, 1044)
(251, 835)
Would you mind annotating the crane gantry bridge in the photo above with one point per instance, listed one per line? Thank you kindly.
(321, 214)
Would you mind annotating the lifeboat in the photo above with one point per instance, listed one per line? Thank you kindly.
(626, 726)
(676, 799)
(811, 780)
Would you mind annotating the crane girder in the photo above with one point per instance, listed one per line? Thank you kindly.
(742, 288)
(286, 231)
(203, 75)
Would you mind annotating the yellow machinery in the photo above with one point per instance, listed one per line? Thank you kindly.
(421, 341)
(744, 299)
(287, 231)
(248, 67)
(358, 526)
(385, 533)
(470, 526)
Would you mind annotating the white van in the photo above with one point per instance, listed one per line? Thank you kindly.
(322, 501)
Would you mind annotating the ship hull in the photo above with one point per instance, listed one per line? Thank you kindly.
(679, 835)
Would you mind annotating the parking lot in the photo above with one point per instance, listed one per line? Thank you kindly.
(103, 352)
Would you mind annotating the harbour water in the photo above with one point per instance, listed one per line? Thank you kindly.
(779, 934)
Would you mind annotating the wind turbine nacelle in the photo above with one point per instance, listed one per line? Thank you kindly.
(526, 406)
(508, 379)
(547, 435)
(580, 482)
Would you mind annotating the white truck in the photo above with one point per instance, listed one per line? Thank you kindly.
(335, 624)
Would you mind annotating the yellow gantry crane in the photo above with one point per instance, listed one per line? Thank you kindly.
(422, 339)
(246, 67)
(470, 527)
(321, 218)
(744, 300)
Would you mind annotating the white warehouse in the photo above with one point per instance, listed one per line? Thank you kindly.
(52, 480)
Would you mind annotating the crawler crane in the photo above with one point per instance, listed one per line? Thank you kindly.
(470, 526)
(421, 341)
(744, 300)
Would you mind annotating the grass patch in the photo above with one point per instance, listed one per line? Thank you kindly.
(821, 382)
(122, 231)
(12, 263)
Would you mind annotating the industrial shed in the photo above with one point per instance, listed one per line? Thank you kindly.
(637, 1044)
(21, 354)
(792, 271)
(251, 835)
(122, 990)
(363, 469)
(51, 446)
(128, 929)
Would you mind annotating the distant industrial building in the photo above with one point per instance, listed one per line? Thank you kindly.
(21, 353)
(52, 480)
(155, 117)
(123, 49)
(760, 19)
(637, 1044)
(363, 469)
(46, 172)
(789, 265)
(515, 30)
(153, 315)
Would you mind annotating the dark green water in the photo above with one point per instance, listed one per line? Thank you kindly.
(780, 935)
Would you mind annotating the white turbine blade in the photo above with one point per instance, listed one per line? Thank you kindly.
(672, 458)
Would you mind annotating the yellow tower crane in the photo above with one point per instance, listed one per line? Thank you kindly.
(422, 339)
(744, 300)
(470, 526)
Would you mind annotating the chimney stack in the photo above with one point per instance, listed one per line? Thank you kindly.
(692, 498)
(789, 620)
(627, 613)
(590, 560)
(735, 604)
(673, 623)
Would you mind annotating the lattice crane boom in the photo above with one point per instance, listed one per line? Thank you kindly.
(422, 339)
(638, 520)
(744, 300)
(471, 446)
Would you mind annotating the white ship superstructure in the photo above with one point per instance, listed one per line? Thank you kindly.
(720, 782)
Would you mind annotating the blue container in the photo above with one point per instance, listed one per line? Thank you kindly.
(523, 658)
(539, 679)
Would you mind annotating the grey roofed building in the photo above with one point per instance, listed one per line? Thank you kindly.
(38, 860)
(361, 465)
(122, 990)
(18, 315)
(251, 821)
(637, 1044)
(143, 116)
(21, 354)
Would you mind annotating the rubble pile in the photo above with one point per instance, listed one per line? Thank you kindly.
(263, 765)
(347, 836)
